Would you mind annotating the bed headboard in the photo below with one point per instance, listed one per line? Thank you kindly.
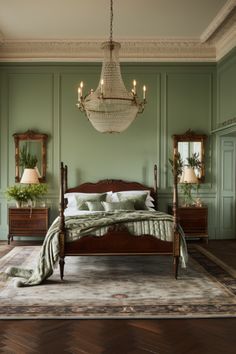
(114, 185)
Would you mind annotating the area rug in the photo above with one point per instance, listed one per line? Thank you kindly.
(119, 287)
(215, 259)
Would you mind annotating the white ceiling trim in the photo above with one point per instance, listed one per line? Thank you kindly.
(148, 50)
(216, 41)
(227, 43)
(218, 20)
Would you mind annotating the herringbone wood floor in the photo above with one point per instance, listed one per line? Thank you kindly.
(199, 336)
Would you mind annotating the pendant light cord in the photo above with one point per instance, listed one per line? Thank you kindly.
(111, 21)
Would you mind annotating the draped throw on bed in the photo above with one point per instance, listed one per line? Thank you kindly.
(138, 223)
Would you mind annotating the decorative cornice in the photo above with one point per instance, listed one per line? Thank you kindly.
(225, 126)
(227, 122)
(221, 33)
(226, 43)
(215, 42)
(138, 50)
(218, 20)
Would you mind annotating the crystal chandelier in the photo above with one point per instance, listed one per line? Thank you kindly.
(111, 108)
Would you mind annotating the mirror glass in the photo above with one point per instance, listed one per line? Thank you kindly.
(34, 148)
(187, 149)
(189, 144)
(30, 148)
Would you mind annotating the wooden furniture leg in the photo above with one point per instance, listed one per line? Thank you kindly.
(62, 263)
(176, 266)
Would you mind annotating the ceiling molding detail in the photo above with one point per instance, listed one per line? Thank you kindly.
(148, 50)
(224, 36)
(215, 42)
(226, 43)
(218, 20)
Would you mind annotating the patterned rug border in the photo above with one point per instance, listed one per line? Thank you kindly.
(214, 269)
(171, 311)
(119, 312)
(216, 260)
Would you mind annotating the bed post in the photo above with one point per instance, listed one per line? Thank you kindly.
(62, 222)
(65, 178)
(155, 186)
(176, 243)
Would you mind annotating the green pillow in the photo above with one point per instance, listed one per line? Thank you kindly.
(126, 205)
(95, 206)
(82, 198)
(138, 200)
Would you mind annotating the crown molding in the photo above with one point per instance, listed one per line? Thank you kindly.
(138, 50)
(224, 37)
(218, 20)
(226, 43)
(214, 43)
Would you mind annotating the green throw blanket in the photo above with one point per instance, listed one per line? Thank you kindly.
(137, 222)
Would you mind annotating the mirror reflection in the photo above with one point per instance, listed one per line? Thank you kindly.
(30, 155)
(192, 146)
(188, 149)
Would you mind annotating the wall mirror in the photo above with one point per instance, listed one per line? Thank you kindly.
(188, 144)
(30, 145)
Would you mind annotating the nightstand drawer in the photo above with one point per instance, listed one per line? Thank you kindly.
(28, 222)
(193, 220)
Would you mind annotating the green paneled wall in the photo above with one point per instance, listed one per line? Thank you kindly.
(225, 136)
(226, 83)
(93, 156)
(43, 97)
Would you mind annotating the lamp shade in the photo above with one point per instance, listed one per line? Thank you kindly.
(29, 176)
(188, 176)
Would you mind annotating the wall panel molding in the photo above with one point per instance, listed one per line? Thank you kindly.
(90, 155)
(191, 119)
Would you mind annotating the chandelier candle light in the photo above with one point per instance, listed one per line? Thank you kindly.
(111, 108)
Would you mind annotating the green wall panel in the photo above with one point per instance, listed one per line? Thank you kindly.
(189, 98)
(189, 102)
(227, 88)
(43, 97)
(225, 132)
(93, 156)
(30, 106)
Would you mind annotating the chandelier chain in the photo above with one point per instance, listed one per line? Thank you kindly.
(111, 21)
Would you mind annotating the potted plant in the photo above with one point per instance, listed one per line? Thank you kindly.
(36, 191)
(29, 193)
(19, 193)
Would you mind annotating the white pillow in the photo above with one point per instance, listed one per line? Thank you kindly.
(149, 200)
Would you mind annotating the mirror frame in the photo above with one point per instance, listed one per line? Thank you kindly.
(189, 136)
(30, 135)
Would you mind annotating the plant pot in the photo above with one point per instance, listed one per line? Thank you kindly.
(18, 203)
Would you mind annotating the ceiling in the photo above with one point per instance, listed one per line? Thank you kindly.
(148, 30)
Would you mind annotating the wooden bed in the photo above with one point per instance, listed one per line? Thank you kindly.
(118, 240)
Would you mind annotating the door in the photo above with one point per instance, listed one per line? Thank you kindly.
(227, 198)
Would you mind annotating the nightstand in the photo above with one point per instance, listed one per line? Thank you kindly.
(194, 221)
(27, 222)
